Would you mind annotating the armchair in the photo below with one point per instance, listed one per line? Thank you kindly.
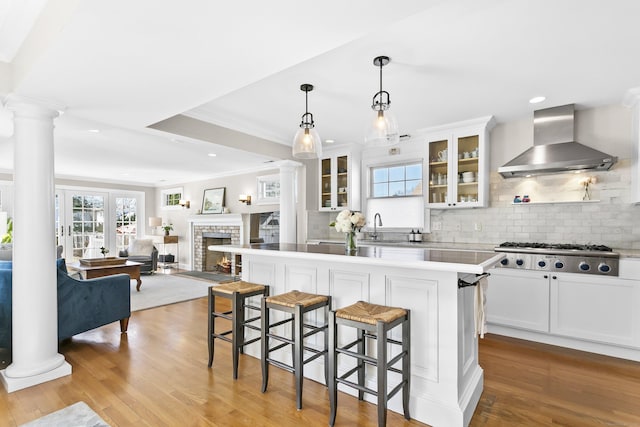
(142, 250)
(88, 304)
(82, 304)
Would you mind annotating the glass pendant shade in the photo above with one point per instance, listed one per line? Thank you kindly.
(383, 129)
(307, 144)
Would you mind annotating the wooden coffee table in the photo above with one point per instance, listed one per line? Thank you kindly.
(131, 268)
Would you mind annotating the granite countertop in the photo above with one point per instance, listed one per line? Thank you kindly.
(441, 259)
(407, 244)
(624, 253)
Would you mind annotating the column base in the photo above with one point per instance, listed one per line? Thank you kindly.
(15, 384)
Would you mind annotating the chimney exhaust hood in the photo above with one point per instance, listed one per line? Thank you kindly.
(554, 149)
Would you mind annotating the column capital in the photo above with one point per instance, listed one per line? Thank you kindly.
(33, 107)
(288, 165)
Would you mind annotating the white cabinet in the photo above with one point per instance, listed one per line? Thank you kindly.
(518, 299)
(600, 309)
(339, 181)
(578, 307)
(458, 159)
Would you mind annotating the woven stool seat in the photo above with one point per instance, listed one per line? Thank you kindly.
(239, 286)
(370, 313)
(293, 298)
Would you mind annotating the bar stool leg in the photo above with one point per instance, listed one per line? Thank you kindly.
(264, 343)
(406, 363)
(212, 306)
(361, 364)
(327, 308)
(236, 328)
(333, 368)
(298, 365)
(381, 367)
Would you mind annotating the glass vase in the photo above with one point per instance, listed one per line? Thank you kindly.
(351, 243)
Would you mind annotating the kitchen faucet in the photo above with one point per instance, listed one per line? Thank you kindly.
(377, 217)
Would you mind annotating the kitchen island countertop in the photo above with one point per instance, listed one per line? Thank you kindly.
(461, 261)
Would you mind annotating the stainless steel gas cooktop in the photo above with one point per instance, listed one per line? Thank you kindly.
(560, 257)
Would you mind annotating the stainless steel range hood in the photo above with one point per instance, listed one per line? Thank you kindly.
(554, 149)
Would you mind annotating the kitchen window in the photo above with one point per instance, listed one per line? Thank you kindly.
(397, 180)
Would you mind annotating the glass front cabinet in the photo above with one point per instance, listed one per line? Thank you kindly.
(339, 182)
(459, 165)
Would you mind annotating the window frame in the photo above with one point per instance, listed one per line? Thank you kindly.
(404, 164)
(171, 192)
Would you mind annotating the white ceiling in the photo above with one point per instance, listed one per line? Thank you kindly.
(121, 66)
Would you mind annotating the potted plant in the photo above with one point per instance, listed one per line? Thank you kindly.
(167, 228)
(8, 237)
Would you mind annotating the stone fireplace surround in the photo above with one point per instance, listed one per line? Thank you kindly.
(231, 224)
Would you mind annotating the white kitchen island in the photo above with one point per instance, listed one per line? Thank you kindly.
(446, 379)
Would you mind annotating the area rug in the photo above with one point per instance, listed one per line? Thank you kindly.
(207, 276)
(163, 289)
(77, 415)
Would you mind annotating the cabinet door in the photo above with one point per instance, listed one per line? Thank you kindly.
(518, 299)
(342, 182)
(327, 183)
(439, 188)
(468, 174)
(602, 309)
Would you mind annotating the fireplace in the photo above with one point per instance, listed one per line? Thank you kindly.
(215, 261)
(207, 230)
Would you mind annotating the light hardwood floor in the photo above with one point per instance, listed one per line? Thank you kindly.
(156, 375)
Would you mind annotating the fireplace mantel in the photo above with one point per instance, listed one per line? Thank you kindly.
(216, 219)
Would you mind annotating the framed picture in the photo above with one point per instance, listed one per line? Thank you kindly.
(213, 201)
(268, 189)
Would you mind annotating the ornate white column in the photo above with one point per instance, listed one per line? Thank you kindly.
(34, 289)
(288, 201)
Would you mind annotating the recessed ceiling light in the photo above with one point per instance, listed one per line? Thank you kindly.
(212, 154)
(329, 141)
(537, 99)
(94, 130)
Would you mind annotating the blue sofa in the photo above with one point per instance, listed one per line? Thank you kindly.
(82, 304)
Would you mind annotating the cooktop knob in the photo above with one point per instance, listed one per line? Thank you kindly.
(519, 261)
(604, 268)
(542, 264)
(559, 264)
(584, 266)
(504, 261)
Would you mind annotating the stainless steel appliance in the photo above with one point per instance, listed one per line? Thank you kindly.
(569, 258)
(554, 148)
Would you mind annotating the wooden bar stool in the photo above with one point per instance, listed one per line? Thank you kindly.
(297, 304)
(237, 292)
(371, 321)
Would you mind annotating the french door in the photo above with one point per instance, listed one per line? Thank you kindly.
(88, 221)
(81, 219)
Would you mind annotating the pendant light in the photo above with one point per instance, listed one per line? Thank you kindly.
(384, 128)
(306, 143)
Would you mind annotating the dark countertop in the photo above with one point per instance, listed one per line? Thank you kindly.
(463, 261)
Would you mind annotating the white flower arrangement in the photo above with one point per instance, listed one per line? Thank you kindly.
(349, 221)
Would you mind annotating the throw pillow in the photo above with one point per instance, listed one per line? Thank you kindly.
(140, 247)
